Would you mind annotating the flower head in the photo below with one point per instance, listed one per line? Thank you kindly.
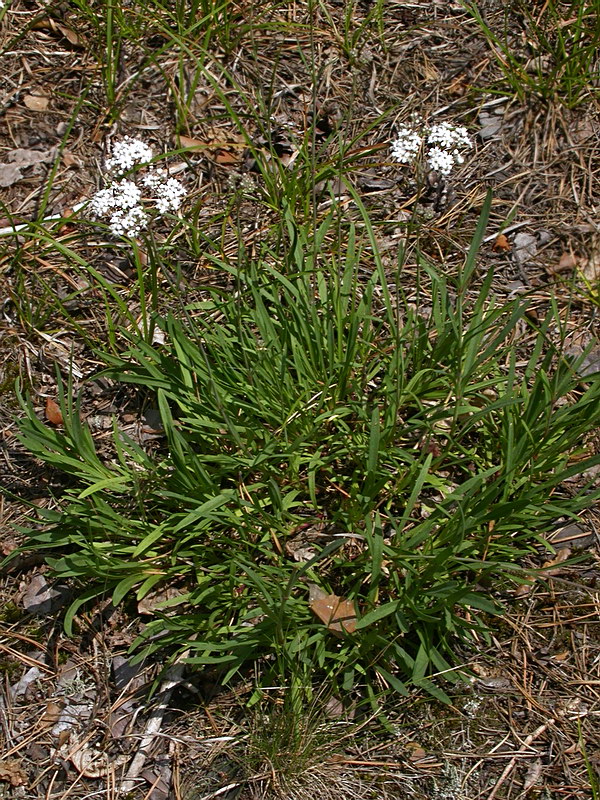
(128, 222)
(126, 194)
(170, 197)
(131, 203)
(103, 202)
(449, 137)
(441, 145)
(440, 160)
(127, 153)
(406, 145)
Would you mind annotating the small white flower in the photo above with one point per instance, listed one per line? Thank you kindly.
(127, 205)
(171, 193)
(127, 153)
(406, 145)
(441, 145)
(127, 194)
(103, 202)
(128, 222)
(154, 178)
(448, 136)
(440, 160)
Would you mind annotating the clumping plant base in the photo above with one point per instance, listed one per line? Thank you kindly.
(317, 444)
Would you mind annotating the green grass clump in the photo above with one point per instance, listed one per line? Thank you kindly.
(556, 58)
(424, 450)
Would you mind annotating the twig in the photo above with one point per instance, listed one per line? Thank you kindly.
(523, 749)
(222, 790)
(172, 679)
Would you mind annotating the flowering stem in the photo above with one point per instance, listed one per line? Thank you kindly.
(140, 258)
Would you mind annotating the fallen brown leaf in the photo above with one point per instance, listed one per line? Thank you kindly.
(49, 24)
(11, 772)
(566, 263)
(552, 567)
(36, 102)
(186, 141)
(69, 160)
(523, 590)
(226, 158)
(336, 612)
(51, 714)
(70, 35)
(560, 656)
(417, 753)
(501, 244)
(53, 414)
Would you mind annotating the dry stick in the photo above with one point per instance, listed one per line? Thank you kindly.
(220, 791)
(172, 679)
(511, 765)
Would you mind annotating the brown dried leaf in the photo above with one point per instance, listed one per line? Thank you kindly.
(52, 714)
(551, 567)
(186, 141)
(417, 753)
(70, 35)
(36, 102)
(8, 544)
(53, 414)
(9, 174)
(560, 657)
(226, 158)
(49, 24)
(523, 590)
(337, 613)
(11, 772)
(63, 738)
(533, 775)
(69, 160)
(501, 244)
(459, 85)
(567, 262)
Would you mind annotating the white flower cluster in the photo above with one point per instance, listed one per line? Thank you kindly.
(129, 206)
(171, 192)
(406, 145)
(442, 144)
(126, 154)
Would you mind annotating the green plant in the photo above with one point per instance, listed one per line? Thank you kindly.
(419, 450)
(561, 51)
(592, 771)
(290, 751)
